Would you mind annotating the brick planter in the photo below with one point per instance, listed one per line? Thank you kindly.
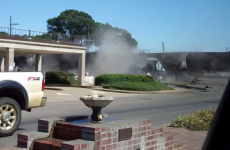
(112, 134)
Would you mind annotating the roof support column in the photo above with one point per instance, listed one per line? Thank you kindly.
(38, 62)
(9, 59)
(81, 69)
(2, 63)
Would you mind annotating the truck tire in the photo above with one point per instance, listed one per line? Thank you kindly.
(10, 116)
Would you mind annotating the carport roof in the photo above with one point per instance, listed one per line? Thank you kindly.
(38, 47)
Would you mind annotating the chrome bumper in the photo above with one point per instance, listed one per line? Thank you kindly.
(43, 102)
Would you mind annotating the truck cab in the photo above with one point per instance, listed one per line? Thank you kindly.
(19, 91)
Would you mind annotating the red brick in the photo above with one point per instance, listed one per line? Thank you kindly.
(84, 146)
(140, 129)
(58, 129)
(148, 133)
(161, 130)
(152, 132)
(103, 135)
(99, 148)
(43, 128)
(90, 129)
(150, 148)
(139, 140)
(137, 135)
(109, 135)
(43, 122)
(169, 143)
(106, 142)
(97, 143)
(169, 148)
(170, 138)
(68, 125)
(24, 143)
(147, 144)
(103, 129)
(130, 142)
(29, 136)
(147, 122)
(150, 138)
(135, 141)
(148, 127)
(111, 147)
(154, 142)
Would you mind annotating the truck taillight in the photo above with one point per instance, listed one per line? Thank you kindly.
(43, 85)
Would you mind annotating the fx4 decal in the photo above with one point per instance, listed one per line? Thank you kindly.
(34, 79)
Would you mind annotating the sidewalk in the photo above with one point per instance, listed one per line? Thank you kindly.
(191, 140)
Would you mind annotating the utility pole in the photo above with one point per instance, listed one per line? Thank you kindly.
(163, 47)
(88, 41)
(12, 24)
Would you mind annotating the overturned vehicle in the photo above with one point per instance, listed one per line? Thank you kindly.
(151, 67)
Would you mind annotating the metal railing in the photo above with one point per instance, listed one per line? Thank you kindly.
(47, 36)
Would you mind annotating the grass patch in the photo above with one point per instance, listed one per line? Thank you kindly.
(199, 121)
(137, 86)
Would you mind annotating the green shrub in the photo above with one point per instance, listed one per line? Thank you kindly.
(137, 86)
(60, 77)
(199, 121)
(113, 78)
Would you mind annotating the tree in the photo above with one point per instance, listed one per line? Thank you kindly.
(101, 29)
(77, 23)
(4, 33)
(45, 36)
(72, 22)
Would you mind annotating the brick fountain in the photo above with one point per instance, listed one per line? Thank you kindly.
(95, 132)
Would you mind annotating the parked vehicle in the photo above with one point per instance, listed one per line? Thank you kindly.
(19, 91)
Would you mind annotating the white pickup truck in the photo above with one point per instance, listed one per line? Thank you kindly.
(19, 91)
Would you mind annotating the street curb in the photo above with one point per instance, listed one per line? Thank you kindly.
(122, 91)
(188, 86)
(176, 91)
(80, 86)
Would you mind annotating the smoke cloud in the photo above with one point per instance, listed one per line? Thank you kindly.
(114, 56)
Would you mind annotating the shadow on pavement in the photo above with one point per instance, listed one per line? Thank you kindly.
(19, 129)
(54, 89)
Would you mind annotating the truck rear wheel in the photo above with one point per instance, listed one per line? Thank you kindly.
(10, 116)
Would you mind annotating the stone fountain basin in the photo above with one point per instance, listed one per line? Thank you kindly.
(99, 102)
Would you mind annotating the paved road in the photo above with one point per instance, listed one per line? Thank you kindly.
(160, 108)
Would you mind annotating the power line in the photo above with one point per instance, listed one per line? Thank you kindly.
(155, 48)
(12, 24)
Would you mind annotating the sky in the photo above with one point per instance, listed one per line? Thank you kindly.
(183, 25)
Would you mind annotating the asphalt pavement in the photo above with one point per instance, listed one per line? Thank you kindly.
(160, 108)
